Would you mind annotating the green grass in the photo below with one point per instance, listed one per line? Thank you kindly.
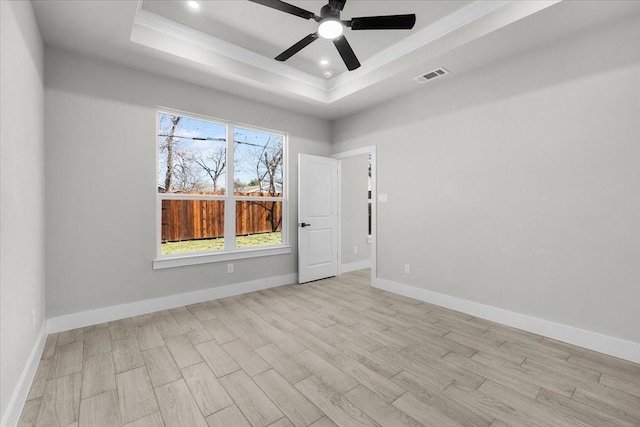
(262, 239)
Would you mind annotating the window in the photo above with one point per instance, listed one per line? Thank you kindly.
(221, 191)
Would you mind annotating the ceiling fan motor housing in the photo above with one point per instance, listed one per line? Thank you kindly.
(328, 12)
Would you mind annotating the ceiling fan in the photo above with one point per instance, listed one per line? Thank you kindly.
(331, 27)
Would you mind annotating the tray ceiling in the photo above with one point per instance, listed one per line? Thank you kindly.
(230, 45)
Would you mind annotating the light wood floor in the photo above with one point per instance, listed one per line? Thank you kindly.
(333, 352)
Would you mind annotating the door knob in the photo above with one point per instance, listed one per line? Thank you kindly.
(304, 224)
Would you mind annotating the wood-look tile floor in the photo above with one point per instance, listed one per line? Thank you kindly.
(332, 352)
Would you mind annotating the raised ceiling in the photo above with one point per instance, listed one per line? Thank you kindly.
(268, 32)
(230, 45)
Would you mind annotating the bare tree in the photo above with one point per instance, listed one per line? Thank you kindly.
(268, 163)
(214, 165)
(269, 176)
(185, 176)
(169, 143)
(181, 173)
(272, 161)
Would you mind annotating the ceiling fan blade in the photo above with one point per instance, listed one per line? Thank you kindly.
(297, 47)
(389, 22)
(286, 7)
(347, 54)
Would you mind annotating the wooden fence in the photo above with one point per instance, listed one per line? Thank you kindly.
(204, 219)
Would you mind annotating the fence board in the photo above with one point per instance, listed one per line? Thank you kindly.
(204, 219)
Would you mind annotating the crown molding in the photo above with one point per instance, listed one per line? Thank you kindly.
(175, 30)
(427, 35)
(461, 26)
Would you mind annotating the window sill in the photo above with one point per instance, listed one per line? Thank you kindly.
(195, 259)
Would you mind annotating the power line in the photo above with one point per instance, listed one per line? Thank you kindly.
(209, 138)
(248, 143)
(195, 138)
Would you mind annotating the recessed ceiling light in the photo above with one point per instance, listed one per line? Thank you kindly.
(327, 74)
(193, 4)
(324, 62)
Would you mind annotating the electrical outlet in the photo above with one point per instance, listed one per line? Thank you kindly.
(355, 249)
(407, 268)
(33, 318)
(230, 268)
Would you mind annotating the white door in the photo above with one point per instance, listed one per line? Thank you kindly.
(317, 217)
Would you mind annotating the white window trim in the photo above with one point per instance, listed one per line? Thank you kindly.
(170, 261)
(230, 251)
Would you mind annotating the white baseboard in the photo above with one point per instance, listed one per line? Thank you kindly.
(601, 343)
(354, 266)
(20, 393)
(116, 312)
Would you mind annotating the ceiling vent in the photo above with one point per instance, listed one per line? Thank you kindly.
(431, 75)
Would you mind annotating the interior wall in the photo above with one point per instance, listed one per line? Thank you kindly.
(354, 229)
(22, 282)
(101, 182)
(517, 185)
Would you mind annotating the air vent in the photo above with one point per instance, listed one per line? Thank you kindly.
(431, 75)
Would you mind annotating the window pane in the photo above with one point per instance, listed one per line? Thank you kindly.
(192, 155)
(258, 160)
(192, 225)
(258, 223)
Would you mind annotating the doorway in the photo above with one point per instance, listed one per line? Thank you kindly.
(357, 210)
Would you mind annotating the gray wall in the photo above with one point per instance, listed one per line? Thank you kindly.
(518, 185)
(22, 283)
(101, 181)
(354, 210)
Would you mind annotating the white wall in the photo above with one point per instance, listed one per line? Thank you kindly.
(354, 209)
(22, 283)
(529, 182)
(101, 182)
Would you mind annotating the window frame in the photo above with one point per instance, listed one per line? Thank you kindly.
(230, 252)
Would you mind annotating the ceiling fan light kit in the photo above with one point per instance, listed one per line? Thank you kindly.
(331, 27)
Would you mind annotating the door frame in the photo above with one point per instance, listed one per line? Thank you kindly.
(371, 150)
